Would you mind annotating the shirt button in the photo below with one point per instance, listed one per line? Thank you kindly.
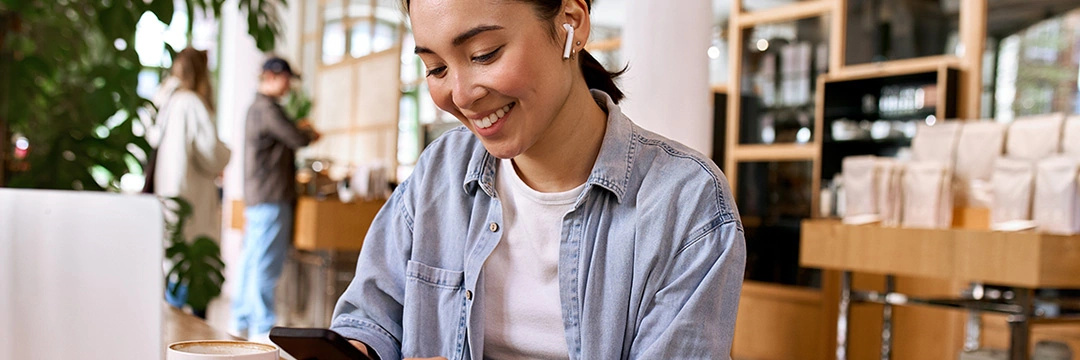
(494, 227)
(468, 294)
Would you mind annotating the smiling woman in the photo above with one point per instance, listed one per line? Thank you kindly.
(536, 246)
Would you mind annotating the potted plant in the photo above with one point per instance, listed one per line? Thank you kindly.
(68, 79)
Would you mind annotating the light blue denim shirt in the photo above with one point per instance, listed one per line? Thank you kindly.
(651, 259)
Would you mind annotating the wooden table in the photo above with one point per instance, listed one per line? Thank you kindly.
(180, 326)
(1026, 261)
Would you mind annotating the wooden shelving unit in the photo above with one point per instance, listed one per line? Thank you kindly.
(784, 299)
(841, 97)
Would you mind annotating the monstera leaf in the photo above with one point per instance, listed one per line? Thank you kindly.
(199, 267)
(196, 265)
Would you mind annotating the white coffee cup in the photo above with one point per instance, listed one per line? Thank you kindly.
(221, 350)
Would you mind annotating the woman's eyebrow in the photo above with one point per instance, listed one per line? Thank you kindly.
(462, 38)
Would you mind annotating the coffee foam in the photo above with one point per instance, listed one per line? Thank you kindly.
(223, 348)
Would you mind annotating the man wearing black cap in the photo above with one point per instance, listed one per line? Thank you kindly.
(270, 194)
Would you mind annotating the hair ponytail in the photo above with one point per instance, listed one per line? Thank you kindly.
(599, 78)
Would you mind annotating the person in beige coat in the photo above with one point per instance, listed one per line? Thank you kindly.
(190, 155)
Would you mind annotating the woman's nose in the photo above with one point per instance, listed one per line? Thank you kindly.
(466, 89)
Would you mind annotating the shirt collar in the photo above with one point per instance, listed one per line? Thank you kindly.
(611, 170)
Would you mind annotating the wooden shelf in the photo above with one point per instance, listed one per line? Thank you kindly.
(796, 11)
(893, 68)
(775, 152)
(1025, 259)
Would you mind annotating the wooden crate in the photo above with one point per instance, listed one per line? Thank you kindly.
(333, 225)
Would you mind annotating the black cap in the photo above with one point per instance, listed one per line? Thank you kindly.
(278, 65)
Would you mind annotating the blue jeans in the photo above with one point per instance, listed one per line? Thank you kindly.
(267, 239)
(180, 299)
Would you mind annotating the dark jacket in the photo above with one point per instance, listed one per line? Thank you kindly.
(271, 141)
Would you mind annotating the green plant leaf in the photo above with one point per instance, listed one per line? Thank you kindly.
(117, 22)
(217, 7)
(163, 9)
(204, 272)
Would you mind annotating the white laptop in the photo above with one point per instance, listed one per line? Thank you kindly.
(80, 275)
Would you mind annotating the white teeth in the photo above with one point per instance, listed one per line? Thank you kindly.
(492, 118)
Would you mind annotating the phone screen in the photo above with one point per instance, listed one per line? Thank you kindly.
(315, 344)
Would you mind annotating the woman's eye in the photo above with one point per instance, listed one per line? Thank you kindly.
(436, 72)
(486, 57)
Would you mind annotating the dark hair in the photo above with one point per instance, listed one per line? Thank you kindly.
(596, 76)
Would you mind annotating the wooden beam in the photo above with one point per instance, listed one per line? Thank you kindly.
(895, 67)
(819, 136)
(942, 93)
(775, 152)
(838, 36)
(735, 48)
(796, 11)
(973, 39)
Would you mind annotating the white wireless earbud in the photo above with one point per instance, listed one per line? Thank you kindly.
(569, 41)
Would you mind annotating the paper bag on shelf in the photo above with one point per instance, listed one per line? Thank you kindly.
(980, 144)
(889, 189)
(860, 183)
(1034, 137)
(1012, 181)
(936, 142)
(927, 195)
(1055, 208)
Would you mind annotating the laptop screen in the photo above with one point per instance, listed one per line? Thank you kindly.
(80, 275)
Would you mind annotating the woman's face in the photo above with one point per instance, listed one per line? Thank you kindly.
(494, 65)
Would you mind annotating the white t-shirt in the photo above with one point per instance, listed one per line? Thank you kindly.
(523, 316)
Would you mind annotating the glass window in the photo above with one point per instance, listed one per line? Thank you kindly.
(360, 38)
(774, 198)
(781, 63)
(333, 42)
(411, 66)
(385, 36)
(408, 131)
(389, 4)
(359, 8)
(1037, 69)
(881, 30)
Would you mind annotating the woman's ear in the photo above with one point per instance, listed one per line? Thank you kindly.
(576, 13)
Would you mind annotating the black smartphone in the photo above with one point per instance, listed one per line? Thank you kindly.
(315, 344)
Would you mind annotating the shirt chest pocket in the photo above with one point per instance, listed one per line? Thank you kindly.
(434, 315)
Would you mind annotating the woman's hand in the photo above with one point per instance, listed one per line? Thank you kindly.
(360, 346)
